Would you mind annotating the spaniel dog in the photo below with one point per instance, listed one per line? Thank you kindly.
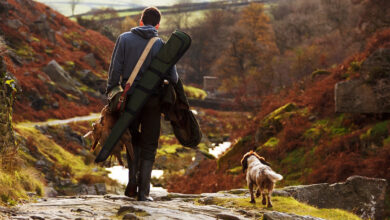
(260, 174)
(101, 130)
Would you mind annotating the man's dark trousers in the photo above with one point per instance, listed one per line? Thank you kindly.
(145, 132)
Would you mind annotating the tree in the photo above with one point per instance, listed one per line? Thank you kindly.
(128, 23)
(209, 35)
(375, 16)
(245, 67)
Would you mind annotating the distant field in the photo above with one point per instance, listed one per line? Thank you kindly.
(64, 7)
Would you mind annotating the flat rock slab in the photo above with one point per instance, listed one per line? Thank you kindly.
(362, 195)
(166, 206)
(285, 216)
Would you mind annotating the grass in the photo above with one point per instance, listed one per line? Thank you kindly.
(286, 205)
(15, 185)
(64, 162)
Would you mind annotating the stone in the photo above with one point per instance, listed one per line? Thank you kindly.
(129, 208)
(41, 26)
(38, 103)
(370, 93)
(15, 58)
(279, 192)
(93, 81)
(37, 217)
(14, 23)
(130, 216)
(84, 189)
(58, 75)
(227, 217)
(100, 188)
(362, 195)
(5, 7)
(90, 60)
(50, 192)
(55, 105)
(286, 216)
(207, 200)
(377, 65)
(355, 96)
(31, 194)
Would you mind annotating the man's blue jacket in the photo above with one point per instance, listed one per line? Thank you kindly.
(128, 49)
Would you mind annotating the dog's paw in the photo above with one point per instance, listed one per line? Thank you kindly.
(264, 202)
(269, 205)
(253, 201)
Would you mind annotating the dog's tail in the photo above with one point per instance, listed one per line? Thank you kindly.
(273, 176)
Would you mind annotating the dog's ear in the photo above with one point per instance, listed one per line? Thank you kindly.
(244, 163)
(262, 160)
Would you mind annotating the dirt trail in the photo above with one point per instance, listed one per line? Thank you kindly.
(92, 116)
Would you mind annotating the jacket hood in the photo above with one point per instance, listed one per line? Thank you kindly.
(146, 32)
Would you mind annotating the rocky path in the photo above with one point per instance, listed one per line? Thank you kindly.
(166, 206)
(361, 195)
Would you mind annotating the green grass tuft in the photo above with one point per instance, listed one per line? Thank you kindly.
(286, 205)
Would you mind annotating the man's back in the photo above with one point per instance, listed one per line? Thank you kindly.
(128, 49)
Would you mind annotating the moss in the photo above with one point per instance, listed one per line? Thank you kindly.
(49, 51)
(292, 166)
(339, 131)
(286, 205)
(319, 72)
(355, 66)
(272, 142)
(64, 162)
(376, 133)
(235, 170)
(289, 107)
(25, 51)
(169, 149)
(386, 141)
(380, 129)
(195, 93)
(204, 149)
(313, 134)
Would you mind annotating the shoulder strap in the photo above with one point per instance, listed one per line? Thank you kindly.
(141, 61)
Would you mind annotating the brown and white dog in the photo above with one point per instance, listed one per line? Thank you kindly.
(261, 175)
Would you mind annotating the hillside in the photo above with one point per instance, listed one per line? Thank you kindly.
(50, 68)
(36, 35)
(301, 135)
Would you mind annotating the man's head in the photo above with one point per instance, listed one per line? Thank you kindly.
(151, 16)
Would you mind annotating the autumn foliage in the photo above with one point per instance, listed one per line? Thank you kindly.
(31, 50)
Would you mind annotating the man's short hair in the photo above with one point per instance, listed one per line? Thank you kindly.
(151, 16)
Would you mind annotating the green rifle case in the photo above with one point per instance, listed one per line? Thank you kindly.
(166, 58)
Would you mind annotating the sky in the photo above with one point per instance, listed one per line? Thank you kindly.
(63, 6)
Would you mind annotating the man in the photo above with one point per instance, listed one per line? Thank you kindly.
(145, 129)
